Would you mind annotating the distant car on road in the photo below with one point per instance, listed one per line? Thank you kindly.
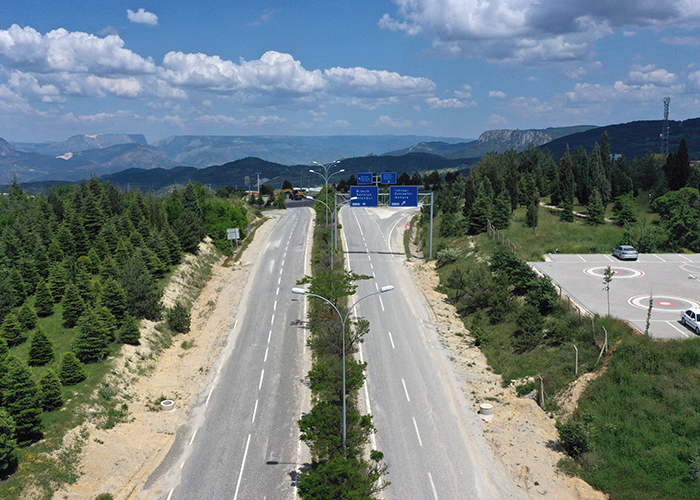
(625, 252)
(691, 318)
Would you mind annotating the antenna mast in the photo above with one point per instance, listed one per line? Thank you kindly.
(664, 133)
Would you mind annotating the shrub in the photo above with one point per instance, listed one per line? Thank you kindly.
(529, 333)
(573, 436)
(178, 318)
(447, 256)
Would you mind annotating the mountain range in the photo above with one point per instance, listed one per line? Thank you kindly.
(183, 158)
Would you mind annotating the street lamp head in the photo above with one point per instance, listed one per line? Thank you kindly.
(386, 288)
(341, 170)
(299, 291)
(311, 171)
(310, 198)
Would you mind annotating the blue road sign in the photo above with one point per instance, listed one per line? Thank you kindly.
(388, 177)
(403, 196)
(365, 178)
(367, 196)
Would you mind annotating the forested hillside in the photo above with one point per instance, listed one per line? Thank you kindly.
(79, 267)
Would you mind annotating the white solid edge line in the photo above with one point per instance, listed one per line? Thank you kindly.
(240, 474)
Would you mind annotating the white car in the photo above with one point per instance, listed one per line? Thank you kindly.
(625, 252)
(691, 319)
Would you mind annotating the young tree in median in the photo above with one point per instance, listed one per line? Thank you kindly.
(21, 399)
(8, 444)
(607, 278)
(50, 391)
(72, 370)
(40, 349)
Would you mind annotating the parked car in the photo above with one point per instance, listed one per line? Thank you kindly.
(625, 252)
(691, 319)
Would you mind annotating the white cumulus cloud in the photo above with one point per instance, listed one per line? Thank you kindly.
(72, 52)
(651, 74)
(533, 30)
(142, 17)
(497, 94)
(436, 103)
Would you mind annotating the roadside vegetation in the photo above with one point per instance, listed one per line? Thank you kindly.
(80, 267)
(636, 431)
(335, 472)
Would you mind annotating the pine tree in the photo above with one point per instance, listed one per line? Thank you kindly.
(113, 297)
(50, 391)
(40, 349)
(17, 284)
(44, 299)
(141, 289)
(501, 211)
(3, 353)
(12, 331)
(58, 280)
(73, 306)
(173, 245)
(27, 317)
(129, 332)
(597, 175)
(72, 370)
(7, 293)
(566, 187)
(596, 209)
(21, 399)
(109, 322)
(91, 344)
(8, 444)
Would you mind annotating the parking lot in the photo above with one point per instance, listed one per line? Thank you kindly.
(673, 280)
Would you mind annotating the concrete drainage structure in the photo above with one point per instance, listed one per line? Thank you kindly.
(167, 405)
(486, 411)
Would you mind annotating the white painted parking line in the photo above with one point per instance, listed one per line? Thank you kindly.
(677, 329)
(581, 258)
(662, 260)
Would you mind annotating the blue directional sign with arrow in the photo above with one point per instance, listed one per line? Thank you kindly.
(365, 178)
(366, 196)
(403, 196)
(388, 177)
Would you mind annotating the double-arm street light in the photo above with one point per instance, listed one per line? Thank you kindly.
(326, 176)
(343, 320)
(335, 224)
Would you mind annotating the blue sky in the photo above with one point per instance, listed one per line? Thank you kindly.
(451, 68)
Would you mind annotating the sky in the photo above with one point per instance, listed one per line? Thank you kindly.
(445, 68)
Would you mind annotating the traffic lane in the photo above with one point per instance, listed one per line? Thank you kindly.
(418, 407)
(643, 257)
(249, 416)
(671, 279)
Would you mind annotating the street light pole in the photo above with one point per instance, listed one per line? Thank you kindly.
(343, 320)
(326, 177)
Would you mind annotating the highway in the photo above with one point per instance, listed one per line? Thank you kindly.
(427, 427)
(243, 440)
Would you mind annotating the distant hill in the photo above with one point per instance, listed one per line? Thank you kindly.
(29, 167)
(201, 150)
(80, 143)
(500, 141)
(234, 173)
(634, 139)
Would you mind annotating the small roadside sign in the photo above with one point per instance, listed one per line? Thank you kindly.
(408, 226)
(232, 234)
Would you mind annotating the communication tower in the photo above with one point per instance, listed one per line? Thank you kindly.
(664, 133)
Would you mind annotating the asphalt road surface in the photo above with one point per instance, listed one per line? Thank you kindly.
(243, 440)
(427, 428)
(672, 280)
